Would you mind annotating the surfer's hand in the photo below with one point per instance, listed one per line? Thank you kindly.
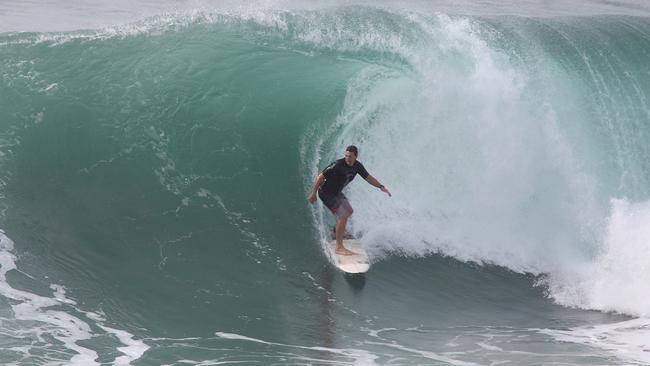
(385, 190)
(311, 198)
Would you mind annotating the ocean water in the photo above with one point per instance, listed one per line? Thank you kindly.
(155, 159)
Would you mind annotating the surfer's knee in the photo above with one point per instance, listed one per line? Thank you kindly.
(344, 216)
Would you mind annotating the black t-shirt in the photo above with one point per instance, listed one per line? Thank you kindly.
(338, 174)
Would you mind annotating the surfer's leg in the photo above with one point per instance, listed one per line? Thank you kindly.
(341, 209)
(344, 211)
(340, 231)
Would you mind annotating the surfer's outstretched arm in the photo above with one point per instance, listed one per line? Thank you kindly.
(317, 183)
(373, 181)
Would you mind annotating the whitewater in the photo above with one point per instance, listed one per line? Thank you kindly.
(156, 158)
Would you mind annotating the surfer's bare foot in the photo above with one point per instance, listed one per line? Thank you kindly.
(344, 251)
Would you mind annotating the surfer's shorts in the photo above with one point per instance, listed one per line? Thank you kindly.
(338, 204)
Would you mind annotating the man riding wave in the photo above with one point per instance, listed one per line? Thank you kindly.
(330, 183)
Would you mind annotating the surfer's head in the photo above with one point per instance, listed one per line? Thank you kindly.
(351, 153)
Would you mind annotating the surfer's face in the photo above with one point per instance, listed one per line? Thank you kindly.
(350, 158)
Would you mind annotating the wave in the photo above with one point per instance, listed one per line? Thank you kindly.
(513, 141)
(509, 145)
(502, 152)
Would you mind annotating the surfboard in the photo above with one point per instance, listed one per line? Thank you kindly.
(357, 263)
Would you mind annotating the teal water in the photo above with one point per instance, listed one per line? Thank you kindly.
(154, 178)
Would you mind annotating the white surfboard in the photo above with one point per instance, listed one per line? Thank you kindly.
(357, 263)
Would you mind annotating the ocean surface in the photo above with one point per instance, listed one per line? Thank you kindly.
(155, 159)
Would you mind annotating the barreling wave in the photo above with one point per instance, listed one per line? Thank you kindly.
(520, 142)
(504, 138)
(502, 150)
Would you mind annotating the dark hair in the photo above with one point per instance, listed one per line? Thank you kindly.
(353, 149)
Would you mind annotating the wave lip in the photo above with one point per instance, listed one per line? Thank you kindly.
(33, 16)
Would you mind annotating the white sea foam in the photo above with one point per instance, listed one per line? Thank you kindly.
(44, 322)
(628, 340)
(133, 348)
(33, 311)
(616, 278)
(359, 356)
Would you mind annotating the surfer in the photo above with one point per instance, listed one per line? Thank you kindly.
(330, 183)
